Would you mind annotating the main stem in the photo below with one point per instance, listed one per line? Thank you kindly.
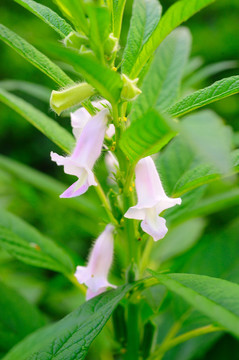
(133, 338)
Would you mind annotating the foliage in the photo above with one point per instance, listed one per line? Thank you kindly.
(175, 298)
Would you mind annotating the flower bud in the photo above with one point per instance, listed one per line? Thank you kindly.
(70, 96)
(111, 45)
(75, 40)
(130, 90)
(95, 274)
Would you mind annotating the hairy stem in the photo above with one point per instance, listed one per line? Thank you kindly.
(105, 203)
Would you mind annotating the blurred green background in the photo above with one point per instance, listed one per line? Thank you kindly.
(215, 38)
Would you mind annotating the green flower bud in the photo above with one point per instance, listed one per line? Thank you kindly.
(130, 90)
(75, 40)
(70, 96)
(111, 45)
(85, 50)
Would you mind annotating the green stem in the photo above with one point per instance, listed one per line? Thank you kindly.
(132, 332)
(105, 203)
(161, 350)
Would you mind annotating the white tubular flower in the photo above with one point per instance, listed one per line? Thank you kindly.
(87, 150)
(95, 274)
(80, 118)
(152, 200)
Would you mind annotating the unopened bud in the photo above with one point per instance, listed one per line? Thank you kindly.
(130, 90)
(75, 40)
(85, 50)
(111, 45)
(68, 97)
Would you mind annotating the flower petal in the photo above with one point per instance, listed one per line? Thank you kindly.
(79, 187)
(155, 227)
(90, 294)
(89, 144)
(79, 119)
(167, 203)
(148, 185)
(135, 213)
(95, 274)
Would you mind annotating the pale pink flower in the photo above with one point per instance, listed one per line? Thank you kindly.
(80, 118)
(95, 274)
(152, 200)
(85, 154)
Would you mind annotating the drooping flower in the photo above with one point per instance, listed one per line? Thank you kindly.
(152, 200)
(80, 118)
(95, 274)
(85, 154)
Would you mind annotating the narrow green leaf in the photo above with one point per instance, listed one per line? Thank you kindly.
(117, 16)
(70, 337)
(178, 13)
(193, 64)
(211, 139)
(178, 240)
(45, 124)
(25, 243)
(105, 80)
(162, 82)
(215, 203)
(48, 16)
(18, 318)
(99, 17)
(203, 174)
(50, 186)
(34, 56)
(189, 200)
(75, 12)
(146, 136)
(173, 162)
(145, 17)
(216, 298)
(207, 71)
(217, 91)
(41, 92)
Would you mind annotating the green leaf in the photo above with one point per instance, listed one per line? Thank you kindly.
(74, 11)
(41, 92)
(18, 318)
(203, 174)
(45, 124)
(50, 186)
(145, 17)
(175, 15)
(217, 91)
(105, 80)
(161, 84)
(25, 243)
(147, 135)
(178, 240)
(208, 71)
(173, 162)
(215, 203)
(211, 139)
(203, 258)
(99, 28)
(193, 64)
(184, 211)
(71, 337)
(48, 16)
(117, 11)
(34, 56)
(216, 298)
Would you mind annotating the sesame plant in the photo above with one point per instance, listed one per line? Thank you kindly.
(147, 163)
